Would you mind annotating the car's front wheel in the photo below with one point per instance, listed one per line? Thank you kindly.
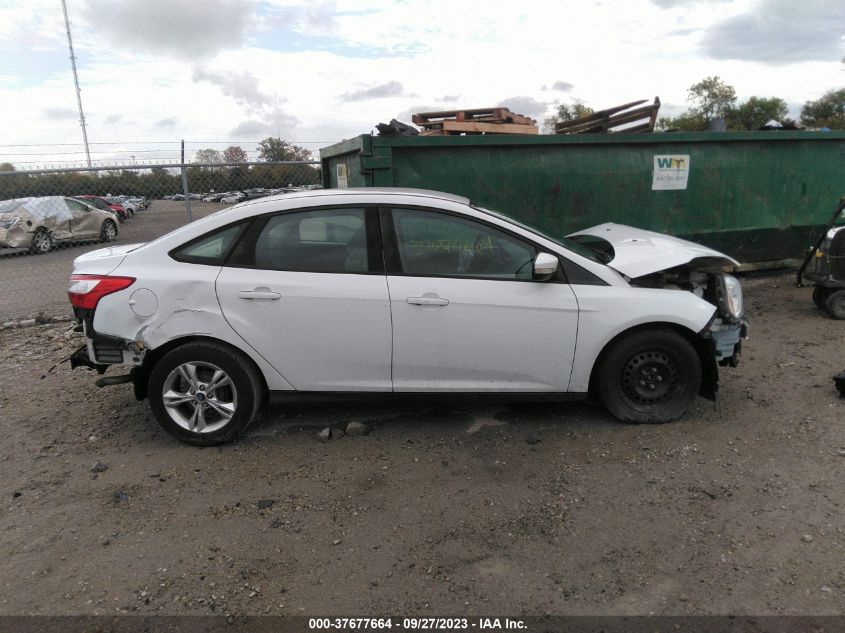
(205, 393)
(108, 232)
(42, 242)
(649, 376)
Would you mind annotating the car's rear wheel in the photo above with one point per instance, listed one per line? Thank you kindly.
(205, 393)
(41, 242)
(649, 376)
(108, 232)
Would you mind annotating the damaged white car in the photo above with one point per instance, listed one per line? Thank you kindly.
(402, 292)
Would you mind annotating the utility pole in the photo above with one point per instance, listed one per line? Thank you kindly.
(76, 83)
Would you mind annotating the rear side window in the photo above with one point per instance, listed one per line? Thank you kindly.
(321, 241)
(211, 248)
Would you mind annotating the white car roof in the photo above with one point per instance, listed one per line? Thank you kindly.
(366, 191)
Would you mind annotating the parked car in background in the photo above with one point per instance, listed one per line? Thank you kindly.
(131, 206)
(394, 291)
(101, 202)
(233, 198)
(39, 223)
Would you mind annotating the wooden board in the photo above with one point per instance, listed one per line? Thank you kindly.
(475, 127)
(604, 121)
(482, 115)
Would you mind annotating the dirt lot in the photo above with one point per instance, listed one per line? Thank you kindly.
(528, 509)
(37, 284)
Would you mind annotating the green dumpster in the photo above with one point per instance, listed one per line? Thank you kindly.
(758, 196)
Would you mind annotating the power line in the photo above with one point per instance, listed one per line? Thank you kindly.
(236, 143)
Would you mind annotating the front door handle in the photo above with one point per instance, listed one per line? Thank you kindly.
(427, 301)
(259, 294)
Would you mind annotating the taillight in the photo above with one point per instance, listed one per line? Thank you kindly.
(85, 291)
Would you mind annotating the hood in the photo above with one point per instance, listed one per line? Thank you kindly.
(103, 260)
(637, 252)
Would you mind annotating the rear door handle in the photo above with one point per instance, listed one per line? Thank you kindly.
(427, 301)
(259, 294)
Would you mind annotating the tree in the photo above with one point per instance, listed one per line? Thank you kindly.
(687, 122)
(274, 150)
(208, 156)
(711, 97)
(7, 167)
(756, 112)
(234, 154)
(567, 112)
(826, 111)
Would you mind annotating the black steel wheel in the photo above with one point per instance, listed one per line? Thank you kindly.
(649, 376)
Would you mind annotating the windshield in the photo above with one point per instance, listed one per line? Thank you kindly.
(566, 243)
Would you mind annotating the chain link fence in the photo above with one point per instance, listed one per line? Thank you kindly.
(50, 217)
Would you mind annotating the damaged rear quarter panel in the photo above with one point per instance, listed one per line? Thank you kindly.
(187, 307)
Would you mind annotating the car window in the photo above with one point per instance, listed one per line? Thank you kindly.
(76, 206)
(320, 241)
(432, 243)
(211, 248)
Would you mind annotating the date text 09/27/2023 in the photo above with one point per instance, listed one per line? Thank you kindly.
(416, 624)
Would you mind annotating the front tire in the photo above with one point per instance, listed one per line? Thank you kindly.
(649, 376)
(108, 232)
(205, 393)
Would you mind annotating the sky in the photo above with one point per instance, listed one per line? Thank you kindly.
(222, 72)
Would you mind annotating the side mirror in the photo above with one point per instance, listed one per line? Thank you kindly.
(545, 266)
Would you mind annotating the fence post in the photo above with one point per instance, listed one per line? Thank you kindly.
(185, 191)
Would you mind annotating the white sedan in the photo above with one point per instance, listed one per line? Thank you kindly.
(397, 292)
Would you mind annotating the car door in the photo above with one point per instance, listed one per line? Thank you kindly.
(84, 223)
(467, 314)
(306, 289)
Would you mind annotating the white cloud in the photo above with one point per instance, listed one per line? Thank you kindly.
(187, 28)
(198, 64)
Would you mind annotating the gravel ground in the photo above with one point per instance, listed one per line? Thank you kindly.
(525, 509)
(37, 284)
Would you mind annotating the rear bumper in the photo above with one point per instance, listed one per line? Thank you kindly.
(15, 238)
(104, 350)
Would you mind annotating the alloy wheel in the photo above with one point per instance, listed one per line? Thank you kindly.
(199, 397)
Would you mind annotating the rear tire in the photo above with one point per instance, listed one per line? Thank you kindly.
(835, 304)
(649, 376)
(820, 295)
(41, 242)
(213, 393)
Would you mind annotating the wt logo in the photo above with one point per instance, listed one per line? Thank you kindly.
(669, 162)
(670, 172)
